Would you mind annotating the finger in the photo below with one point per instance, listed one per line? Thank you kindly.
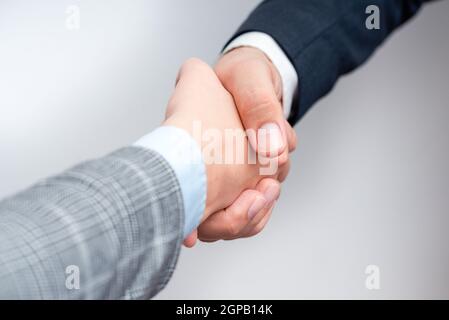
(195, 76)
(261, 225)
(193, 80)
(291, 137)
(248, 229)
(283, 159)
(271, 190)
(190, 241)
(227, 223)
(283, 171)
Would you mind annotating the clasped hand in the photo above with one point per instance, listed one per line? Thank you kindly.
(235, 115)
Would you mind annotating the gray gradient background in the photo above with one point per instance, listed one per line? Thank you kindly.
(369, 182)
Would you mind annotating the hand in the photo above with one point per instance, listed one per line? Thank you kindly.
(200, 98)
(256, 86)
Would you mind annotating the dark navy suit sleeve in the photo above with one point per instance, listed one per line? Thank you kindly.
(325, 39)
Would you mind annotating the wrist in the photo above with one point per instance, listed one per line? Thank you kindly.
(215, 173)
(277, 57)
(242, 61)
(183, 156)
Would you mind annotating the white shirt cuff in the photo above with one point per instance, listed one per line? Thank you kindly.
(274, 52)
(184, 155)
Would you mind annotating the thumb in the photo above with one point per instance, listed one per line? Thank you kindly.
(256, 91)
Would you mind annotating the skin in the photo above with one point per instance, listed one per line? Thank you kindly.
(232, 189)
(256, 87)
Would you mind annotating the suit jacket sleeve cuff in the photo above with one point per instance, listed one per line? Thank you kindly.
(184, 155)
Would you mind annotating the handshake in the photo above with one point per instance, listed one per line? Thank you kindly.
(235, 115)
(212, 171)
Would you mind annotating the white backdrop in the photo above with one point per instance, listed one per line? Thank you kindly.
(369, 183)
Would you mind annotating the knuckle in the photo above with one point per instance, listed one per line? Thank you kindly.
(283, 172)
(232, 228)
(283, 159)
(193, 62)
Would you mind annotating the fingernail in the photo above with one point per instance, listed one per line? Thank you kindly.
(271, 194)
(257, 205)
(270, 138)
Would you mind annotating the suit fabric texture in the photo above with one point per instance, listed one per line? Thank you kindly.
(114, 223)
(325, 39)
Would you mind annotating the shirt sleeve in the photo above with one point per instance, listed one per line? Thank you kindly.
(184, 155)
(274, 52)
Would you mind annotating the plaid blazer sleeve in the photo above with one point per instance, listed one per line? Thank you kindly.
(109, 228)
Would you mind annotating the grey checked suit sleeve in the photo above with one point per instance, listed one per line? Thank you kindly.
(118, 220)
